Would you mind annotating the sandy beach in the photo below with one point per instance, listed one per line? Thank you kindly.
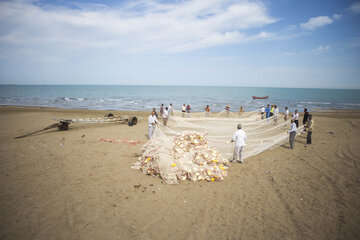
(68, 185)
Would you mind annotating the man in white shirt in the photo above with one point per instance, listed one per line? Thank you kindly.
(292, 133)
(239, 138)
(276, 115)
(152, 122)
(262, 112)
(296, 118)
(165, 116)
(183, 109)
(286, 115)
(171, 111)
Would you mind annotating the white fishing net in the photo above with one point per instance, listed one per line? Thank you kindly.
(197, 146)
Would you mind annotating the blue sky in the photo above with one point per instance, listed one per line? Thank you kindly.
(269, 43)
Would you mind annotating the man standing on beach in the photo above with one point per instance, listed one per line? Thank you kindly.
(292, 133)
(286, 115)
(207, 110)
(309, 128)
(239, 138)
(183, 109)
(262, 112)
(152, 122)
(165, 116)
(156, 115)
(171, 111)
(161, 109)
(276, 115)
(227, 110)
(188, 109)
(267, 110)
(306, 115)
(296, 118)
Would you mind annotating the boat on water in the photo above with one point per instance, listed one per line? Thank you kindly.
(255, 97)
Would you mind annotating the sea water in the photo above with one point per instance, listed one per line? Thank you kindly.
(140, 98)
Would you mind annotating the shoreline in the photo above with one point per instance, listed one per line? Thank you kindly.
(317, 110)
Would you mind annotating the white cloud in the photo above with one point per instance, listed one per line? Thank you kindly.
(320, 21)
(315, 51)
(355, 7)
(136, 26)
(337, 16)
(321, 49)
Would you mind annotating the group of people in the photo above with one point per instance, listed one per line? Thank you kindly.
(165, 113)
(185, 109)
(240, 136)
(227, 110)
(308, 124)
(267, 112)
(307, 121)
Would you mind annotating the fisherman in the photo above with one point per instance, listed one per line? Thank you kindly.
(286, 114)
(165, 116)
(156, 115)
(183, 110)
(239, 138)
(188, 109)
(207, 110)
(267, 110)
(296, 118)
(152, 122)
(262, 111)
(272, 111)
(309, 128)
(227, 110)
(161, 109)
(292, 133)
(306, 115)
(276, 115)
(241, 110)
(171, 111)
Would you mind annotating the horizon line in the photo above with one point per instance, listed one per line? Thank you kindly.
(154, 85)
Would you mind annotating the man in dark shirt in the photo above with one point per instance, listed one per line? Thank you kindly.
(306, 116)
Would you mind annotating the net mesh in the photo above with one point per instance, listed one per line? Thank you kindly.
(197, 146)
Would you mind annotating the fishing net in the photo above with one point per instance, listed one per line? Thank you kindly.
(197, 146)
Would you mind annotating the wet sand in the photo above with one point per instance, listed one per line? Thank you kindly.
(68, 185)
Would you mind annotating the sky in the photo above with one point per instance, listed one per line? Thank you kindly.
(262, 43)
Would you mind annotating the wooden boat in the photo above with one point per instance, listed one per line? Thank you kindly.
(255, 97)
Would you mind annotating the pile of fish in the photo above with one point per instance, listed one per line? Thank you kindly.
(185, 156)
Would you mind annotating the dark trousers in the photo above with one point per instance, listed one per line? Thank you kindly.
(291, 139)
(308, 138)
(297, 123)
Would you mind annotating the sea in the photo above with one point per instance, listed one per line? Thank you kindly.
(144, 98)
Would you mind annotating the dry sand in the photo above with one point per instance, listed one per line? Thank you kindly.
(67, 185)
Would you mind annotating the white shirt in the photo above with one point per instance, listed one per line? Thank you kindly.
(239, 138)
(262, 109)
(296, 116)
(276, 111)
(183, 108)
(170, 108)
(287, 112)
(166, 113)
(292, 128)
(152, 120)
